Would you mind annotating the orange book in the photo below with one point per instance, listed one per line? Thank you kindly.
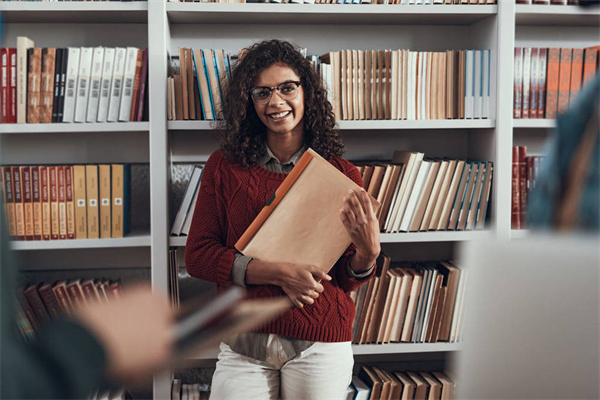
(18, 202)
(590, 63)
(278, 232)
(45, 196)
(136, 85)
(576, 73)
(47, 89)
(27, 201)
(53, 178)
(37, 202)
(9, 205)
(62, 202)
(184, 84)
(34, 84)
(564, 80)
(552, 83)
(69, 202)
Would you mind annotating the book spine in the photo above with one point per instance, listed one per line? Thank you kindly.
(54, 213)
(23, 44)
(116, 84)
(45, 197)
(136, 85)
(526, 82)
(128, 80)
(91, 179)
(144, 82)
(49, 299)
(4, 84)
(83, 84)
(63, 84)
(57, 75)
(62, 202)
(576, 74)
(27, 201)
(71, 84)
(37, 202)
(48, 76)
(104, 181)
(564, 80)
(516, 202)
(9, 204)
(552, 83)
(12, 92)
(80, 201)
(95, 82)
(62, 297)
(18, 201)
(522, 186)
(533, 91)
(589, 66)
(37, 305)
(542, 69)
(69, 202)
(34, 85)
(518, 82)
(105, 85)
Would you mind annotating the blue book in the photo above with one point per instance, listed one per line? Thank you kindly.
(198, 72)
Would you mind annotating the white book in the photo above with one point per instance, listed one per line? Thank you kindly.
(478, 83)
(415, 194)
(23, 43)
(95, 84)
(186, 201)
(469, 84)
(410, 182)
(411, 85)
(83, 83)
(190, 215)
(71, 84)
(128, 78)
(485, 108)
(390, 215)
(427, 272)
(116, 86)
(428, 305)
(362, 390)
(423, 83)
(107, 73)
(457, 314)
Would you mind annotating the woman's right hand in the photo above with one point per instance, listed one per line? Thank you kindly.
(301, 282)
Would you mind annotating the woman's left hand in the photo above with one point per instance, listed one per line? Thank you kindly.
(362, 224)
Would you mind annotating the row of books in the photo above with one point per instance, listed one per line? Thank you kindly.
(405, 84)
(75, 84)
(174, 278)
(546, 2)
(66, 202)
(194, 89)
(525, 171)
(189, 391)
(41, 302)
(547, 80)
(374, 383)
(418, 194)
(183, 218)
(401, 2)
(418, 302)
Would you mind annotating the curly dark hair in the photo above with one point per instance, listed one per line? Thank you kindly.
(243, 133)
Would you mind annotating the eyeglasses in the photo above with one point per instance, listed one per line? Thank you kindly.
(286, 90)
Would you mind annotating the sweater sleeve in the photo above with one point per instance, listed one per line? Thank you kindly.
(343, 279)
(206, 255)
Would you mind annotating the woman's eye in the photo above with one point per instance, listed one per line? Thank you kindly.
(262, 93)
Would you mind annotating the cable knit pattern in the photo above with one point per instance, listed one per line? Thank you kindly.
(230, 197)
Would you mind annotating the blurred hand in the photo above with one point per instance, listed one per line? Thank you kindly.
(362, 225)
(301, 282)
(135, 331)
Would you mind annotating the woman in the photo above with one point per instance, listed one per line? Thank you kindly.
(275, 107)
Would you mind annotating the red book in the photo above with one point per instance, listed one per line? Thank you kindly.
(12, 93)
(69, 202)
(36, 303)
(515, 202)
(589, 66)
(4, 84)
(542, 69)
(62, 202)
(576, 73)
(60, 291)
(54, 226)
(45, 196)
(522, 186)
(535, 83)
(37, 203)
(552, 83)
(75, 293)
(143, 83)
(136, 85)
(49, 299)
(564, 80)
(9, 205)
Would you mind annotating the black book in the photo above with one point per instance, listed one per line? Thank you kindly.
(57, 74)
(63, 80)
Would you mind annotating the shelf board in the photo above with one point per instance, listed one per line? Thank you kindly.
(411, 237)
(367, 349)
(552, 15)
(366, 125)
(74, 12)
(132, 240)
(337, 14)
(534, 123)
(519, 233)
(67, 127)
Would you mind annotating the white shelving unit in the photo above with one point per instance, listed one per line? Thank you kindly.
(164, 27)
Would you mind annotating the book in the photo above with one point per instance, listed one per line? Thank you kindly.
(58, 60)
(116, 87)
(23, 44)
(108, 64)
(34, 84)
(83, 84)
(27, 201)
(91, 182)
(564, 80)
(188, 197)
(80, 201)
(9, 205)
(552, 80)
(131, 61)
(105, 199)
(95, 84)
(121, 177)
(135, 99)
(313, 180)
(69, 201)
(71, 85)
(47, 84)
(18, 202)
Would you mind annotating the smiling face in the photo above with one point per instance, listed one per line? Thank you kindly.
(281, 117)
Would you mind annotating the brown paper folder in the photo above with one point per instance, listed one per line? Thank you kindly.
(301, 222)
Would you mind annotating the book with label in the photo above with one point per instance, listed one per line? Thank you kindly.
(104, 183)
(121, 178)
(80, 201)
(95, 84)
(91, 182)
(108, 64)
(116, 87)
(83, 84)
(72, 74)
(23, 44)
(131, 61)
(45, 200)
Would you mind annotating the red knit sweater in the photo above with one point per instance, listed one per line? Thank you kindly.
(230, 197)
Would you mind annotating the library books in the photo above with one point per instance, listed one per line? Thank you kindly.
(373, 382)
(525, 171)
(548, 79)
(38, 303)
(195, 84)
(416, 302)
(50, 202)
(397, 2)
(75, 84)
(287, 230)
(408, 85)
(185, 212)
(422, 194)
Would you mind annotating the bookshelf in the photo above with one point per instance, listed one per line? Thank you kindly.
(163, 27)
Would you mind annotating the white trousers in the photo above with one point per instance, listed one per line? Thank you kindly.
(323, 371)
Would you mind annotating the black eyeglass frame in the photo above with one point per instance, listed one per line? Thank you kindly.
(267, 99)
